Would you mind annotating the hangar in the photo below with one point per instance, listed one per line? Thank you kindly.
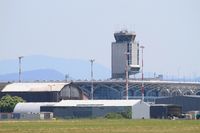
(42, 92)
(188, 103)
(165, 111)
(88, 108)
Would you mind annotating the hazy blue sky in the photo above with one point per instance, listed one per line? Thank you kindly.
(83, 29)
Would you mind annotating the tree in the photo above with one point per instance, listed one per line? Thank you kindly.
(7, 103)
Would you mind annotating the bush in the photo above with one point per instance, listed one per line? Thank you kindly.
(7, 103)
(119, 115)
(114, 116)
(198, 116)
(127, 114)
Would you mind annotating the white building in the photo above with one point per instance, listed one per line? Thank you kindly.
(31, 107)
(88, 108)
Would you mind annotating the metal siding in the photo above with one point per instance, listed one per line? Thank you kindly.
(70, 92)
(35, 96)
(72, 112)
(158, 112)
(33, 87)
(186, 102)
(85, 112)
(141, 110)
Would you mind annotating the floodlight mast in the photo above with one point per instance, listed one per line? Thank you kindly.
(92, 88)
(126, 69)
(20, 67)
(142, 87)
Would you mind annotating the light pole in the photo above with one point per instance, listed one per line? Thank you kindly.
(142, 87)
(66, 77)
(20, 67)
(126, 69)
(92, 61)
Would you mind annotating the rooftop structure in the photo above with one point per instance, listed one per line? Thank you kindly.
(93, 103)
(33, 87)
(124, 36)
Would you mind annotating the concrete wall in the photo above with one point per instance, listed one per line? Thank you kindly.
(118, 59)
(135, 53)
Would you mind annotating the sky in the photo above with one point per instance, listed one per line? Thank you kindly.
(83, 29)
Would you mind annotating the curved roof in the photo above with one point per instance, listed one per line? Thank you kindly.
(33, 87)
(2, 85)
(30, 107)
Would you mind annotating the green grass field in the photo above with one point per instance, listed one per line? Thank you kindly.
(101, 126)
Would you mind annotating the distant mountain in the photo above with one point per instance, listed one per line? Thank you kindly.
(35, 75)
(74, 68)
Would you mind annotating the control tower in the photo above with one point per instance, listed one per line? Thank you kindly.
(124, 49)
